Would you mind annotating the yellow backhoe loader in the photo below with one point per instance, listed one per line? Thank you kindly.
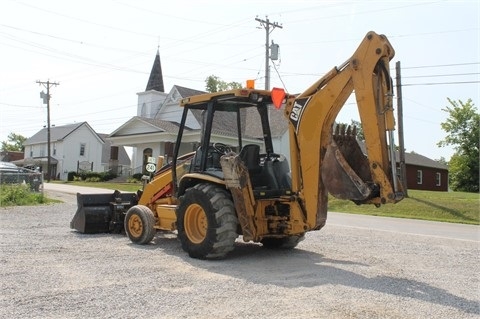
(219, 192)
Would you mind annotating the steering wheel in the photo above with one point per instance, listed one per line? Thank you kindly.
(221, 148)
(272, 157)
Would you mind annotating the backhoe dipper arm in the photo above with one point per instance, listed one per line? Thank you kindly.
(325, 162)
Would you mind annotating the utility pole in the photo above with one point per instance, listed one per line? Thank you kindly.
(267, 24)
(401, 142)
(46, 100)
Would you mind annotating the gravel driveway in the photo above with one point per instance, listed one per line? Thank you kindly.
(51, 271)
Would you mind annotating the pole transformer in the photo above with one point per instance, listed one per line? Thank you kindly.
(269, 27)
(46, 100)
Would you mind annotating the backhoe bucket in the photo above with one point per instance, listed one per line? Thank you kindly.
(102, 213)
(345, 170)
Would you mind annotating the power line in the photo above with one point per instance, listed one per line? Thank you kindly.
(83, 60)
(440, 65)
(71, 40)
(440, 75)
(58, 54)
(441, 83)
(210, 65)
(110, 66)
(347, 13)
(25, 106)
(421, 104)
(89, 22)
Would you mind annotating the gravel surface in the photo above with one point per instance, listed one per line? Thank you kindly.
(51, 271)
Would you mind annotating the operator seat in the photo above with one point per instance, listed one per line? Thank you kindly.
(250, 155)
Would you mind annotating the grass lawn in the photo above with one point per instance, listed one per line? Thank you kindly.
(453, 207)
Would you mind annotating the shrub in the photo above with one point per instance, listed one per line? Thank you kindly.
(71, 176)
(96, 176)
(19, 195)
(106, 176)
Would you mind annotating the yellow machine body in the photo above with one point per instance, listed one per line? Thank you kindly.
(214, 194)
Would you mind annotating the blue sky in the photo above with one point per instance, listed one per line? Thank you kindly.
(101, 52)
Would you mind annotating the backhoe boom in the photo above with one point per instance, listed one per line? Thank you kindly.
(325, 162)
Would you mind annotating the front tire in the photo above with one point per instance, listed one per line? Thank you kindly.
(206, 222)
(139, 224)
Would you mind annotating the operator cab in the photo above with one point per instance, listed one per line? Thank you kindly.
(241, 120)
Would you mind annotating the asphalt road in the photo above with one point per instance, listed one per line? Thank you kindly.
(394, 225)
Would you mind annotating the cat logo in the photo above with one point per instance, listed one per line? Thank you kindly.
(297, 112)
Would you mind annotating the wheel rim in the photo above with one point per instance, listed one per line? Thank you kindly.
(135, 225)
(195, 223)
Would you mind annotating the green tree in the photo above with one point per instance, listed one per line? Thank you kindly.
(463, 133)
(14, 143)
(215, 84)
(442, 160)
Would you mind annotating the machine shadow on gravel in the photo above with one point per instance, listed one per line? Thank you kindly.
(302, 268)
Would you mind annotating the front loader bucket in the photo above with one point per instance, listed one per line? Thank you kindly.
(345, 169)
(102, 213)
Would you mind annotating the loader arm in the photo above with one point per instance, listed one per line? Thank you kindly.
(335, 159)
(160, 188)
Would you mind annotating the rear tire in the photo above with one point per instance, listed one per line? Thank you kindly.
(282, 243)
(206, 222)
(139, 224)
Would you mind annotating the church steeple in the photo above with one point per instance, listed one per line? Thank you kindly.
(155, 82)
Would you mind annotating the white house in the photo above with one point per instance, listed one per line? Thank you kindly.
(73, 147)
(153, 131)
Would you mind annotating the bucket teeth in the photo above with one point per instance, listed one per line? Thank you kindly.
(349, 130)
(344, 132)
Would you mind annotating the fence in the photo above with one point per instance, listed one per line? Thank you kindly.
(33, 179)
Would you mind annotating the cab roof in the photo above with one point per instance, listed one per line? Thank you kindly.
(230, 100)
